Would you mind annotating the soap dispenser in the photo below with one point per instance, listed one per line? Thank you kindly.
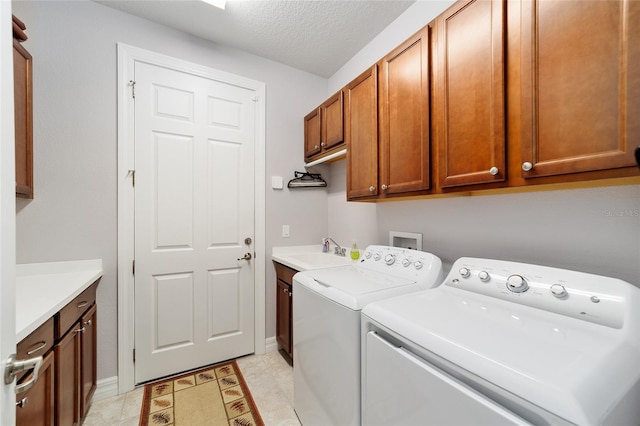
(355, 253)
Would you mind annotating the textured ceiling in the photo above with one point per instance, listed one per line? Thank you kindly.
(318, 36)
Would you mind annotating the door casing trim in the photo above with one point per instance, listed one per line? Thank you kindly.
(127, 57)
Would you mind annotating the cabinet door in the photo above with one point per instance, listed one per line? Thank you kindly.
(283, 322)
(404, 117)
(88, 355)
(22, 74)
(312, 138)
(361, 133)
(469, 100)
(67, 361)
(580, 85)
(332, 115)
(36, 405)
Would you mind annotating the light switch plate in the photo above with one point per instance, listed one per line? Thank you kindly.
(285, 231)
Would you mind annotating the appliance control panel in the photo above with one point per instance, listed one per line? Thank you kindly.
(402, 262)
(593, 298)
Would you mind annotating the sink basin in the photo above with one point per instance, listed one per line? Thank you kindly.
(320, 260)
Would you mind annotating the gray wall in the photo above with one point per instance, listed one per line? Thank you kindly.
(595, 230)
(74, 212)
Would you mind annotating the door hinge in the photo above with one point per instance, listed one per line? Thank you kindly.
(134, 355)
(132, 83)
(133, 267)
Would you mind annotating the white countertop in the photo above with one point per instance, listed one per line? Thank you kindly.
(42, 289)
(304, 258)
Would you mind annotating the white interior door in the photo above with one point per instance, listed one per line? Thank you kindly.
(7, 215)
(194, 208)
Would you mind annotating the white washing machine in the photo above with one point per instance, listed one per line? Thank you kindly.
(326, 326)
(504, 343)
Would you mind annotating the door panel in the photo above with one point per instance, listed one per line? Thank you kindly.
(194, 206)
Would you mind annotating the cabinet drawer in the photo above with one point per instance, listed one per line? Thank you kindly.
(70, 314)
(38, 342)
(285, 273)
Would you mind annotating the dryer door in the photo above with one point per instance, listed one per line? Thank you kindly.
(399, 388)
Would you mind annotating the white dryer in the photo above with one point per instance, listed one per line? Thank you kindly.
(326, 326)
(505, 343)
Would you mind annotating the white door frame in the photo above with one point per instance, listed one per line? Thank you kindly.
(127, 57)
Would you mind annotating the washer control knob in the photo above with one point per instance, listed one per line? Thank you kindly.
(376, 256)
(418, 264)
(559, 291)
(406, 262)
(464, 272)
(390, 259)
(367, 255)
(517, 284)
(484, 276)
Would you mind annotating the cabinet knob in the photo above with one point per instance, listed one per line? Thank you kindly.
(372, 188)
(323, 144)
(526, 166)
(87, 322)
(384, 187)
(316, 147)
(80, 330)
(493, 171)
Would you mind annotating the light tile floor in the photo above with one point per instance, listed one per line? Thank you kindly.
(269, 377)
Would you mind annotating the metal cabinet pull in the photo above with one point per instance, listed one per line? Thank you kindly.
(493, 171)
(82, 304)
(80, 330)
(41, 344)
(87, 322)
(526, 166)
(372, 188)
(14, 367)
(384, 187)
(22, 402)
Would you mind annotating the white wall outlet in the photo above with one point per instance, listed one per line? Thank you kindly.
(277, 182)
(285, 231)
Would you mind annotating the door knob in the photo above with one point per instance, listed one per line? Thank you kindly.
(13, 367)
(247, 256)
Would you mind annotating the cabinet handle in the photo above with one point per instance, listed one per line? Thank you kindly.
(22, 402)
(82, 304)
(372, 188)
(323, 144)
(493, 171)
(526, 166)
(87, 322)
(80, 330)
(290, 294)
(316, 147)
(384, 187)
(41, 344)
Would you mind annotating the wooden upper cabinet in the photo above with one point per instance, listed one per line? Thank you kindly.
(312, 134)
(324, 128)
(332, 120)
(469, 96)
(404, 117)
(580, 85)
(361, 135)
(23, 107)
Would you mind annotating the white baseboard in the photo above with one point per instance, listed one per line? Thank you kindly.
(271, 345)
(106, 388)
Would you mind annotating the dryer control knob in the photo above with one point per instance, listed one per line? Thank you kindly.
(376, 256)
(559, 291)
(418, 264)
(484, 276)
(464, 272)
(406, 262)
(390, 259)
(517, 284)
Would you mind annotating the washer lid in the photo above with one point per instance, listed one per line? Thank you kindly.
(575, 369)
(354, 286)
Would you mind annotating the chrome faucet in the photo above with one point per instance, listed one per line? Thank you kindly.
(337, 249)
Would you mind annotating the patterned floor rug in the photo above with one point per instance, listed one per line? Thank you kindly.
(214, 395)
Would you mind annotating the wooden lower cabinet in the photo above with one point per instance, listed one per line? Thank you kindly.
(284, 307)
(36, 406)
(67, 380)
